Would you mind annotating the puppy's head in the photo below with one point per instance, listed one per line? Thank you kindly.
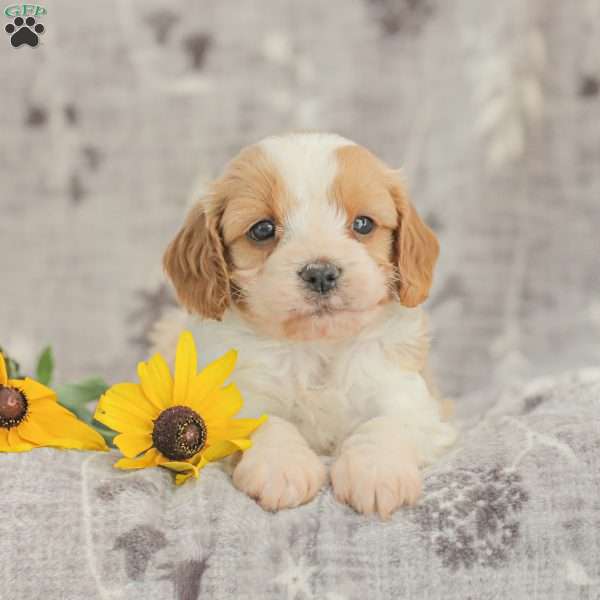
(309, 235)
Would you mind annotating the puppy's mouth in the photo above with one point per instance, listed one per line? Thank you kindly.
(327, 320)
(324, 307)
(330, 306)
(328, 311)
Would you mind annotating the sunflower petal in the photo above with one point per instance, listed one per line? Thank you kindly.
(150, 459)
(186, 470)
(212, 377)
(32, 389)
(221, 404)
(133, 444)
(235, 428)
(31, 432)
(15, 443)
(125, 408)
(156, 381)
(179, 466)
(186, 365)
(3, 372)
(183, 466)
(225, 448)
(50, 424)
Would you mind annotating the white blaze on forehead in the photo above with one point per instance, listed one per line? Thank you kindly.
(307, 164)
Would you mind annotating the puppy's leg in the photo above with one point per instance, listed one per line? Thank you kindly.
(377, 469)
(279, 470)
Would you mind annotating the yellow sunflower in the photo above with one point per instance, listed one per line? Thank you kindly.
(181, 422)
(30, 417)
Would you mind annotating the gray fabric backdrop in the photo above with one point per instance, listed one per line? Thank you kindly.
(491, 108)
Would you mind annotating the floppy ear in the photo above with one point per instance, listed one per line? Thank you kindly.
(417, 249)
(195, 262)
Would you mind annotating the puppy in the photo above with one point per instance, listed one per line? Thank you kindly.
(308, 257)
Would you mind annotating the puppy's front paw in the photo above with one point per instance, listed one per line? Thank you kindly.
(371, 481)
(280, 478)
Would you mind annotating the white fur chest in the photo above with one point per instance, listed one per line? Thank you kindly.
(325, 389)
(299, 384)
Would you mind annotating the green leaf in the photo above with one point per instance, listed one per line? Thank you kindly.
(77, 395)
(45, 366)
(13, 369)
(77, 398)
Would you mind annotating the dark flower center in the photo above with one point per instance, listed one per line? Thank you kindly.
(13, 407)
(179, 433)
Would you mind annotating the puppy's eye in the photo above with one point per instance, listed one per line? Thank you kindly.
(363, 225)
(261, 231)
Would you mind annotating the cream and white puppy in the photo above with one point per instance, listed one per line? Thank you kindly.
(308, 257)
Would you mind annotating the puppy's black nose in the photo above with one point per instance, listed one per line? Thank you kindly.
(320, 276)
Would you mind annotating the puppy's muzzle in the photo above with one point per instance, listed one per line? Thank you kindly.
(320, 276)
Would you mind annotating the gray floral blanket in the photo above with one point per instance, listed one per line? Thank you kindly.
(512, 512)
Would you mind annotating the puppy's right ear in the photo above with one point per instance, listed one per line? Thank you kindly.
(195, 262)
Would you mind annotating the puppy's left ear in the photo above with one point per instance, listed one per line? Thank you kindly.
(416, 248)
(195, 262)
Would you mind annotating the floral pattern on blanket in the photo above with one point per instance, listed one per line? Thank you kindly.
(472, 516)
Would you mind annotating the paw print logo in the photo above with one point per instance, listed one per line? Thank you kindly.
(24, 32)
